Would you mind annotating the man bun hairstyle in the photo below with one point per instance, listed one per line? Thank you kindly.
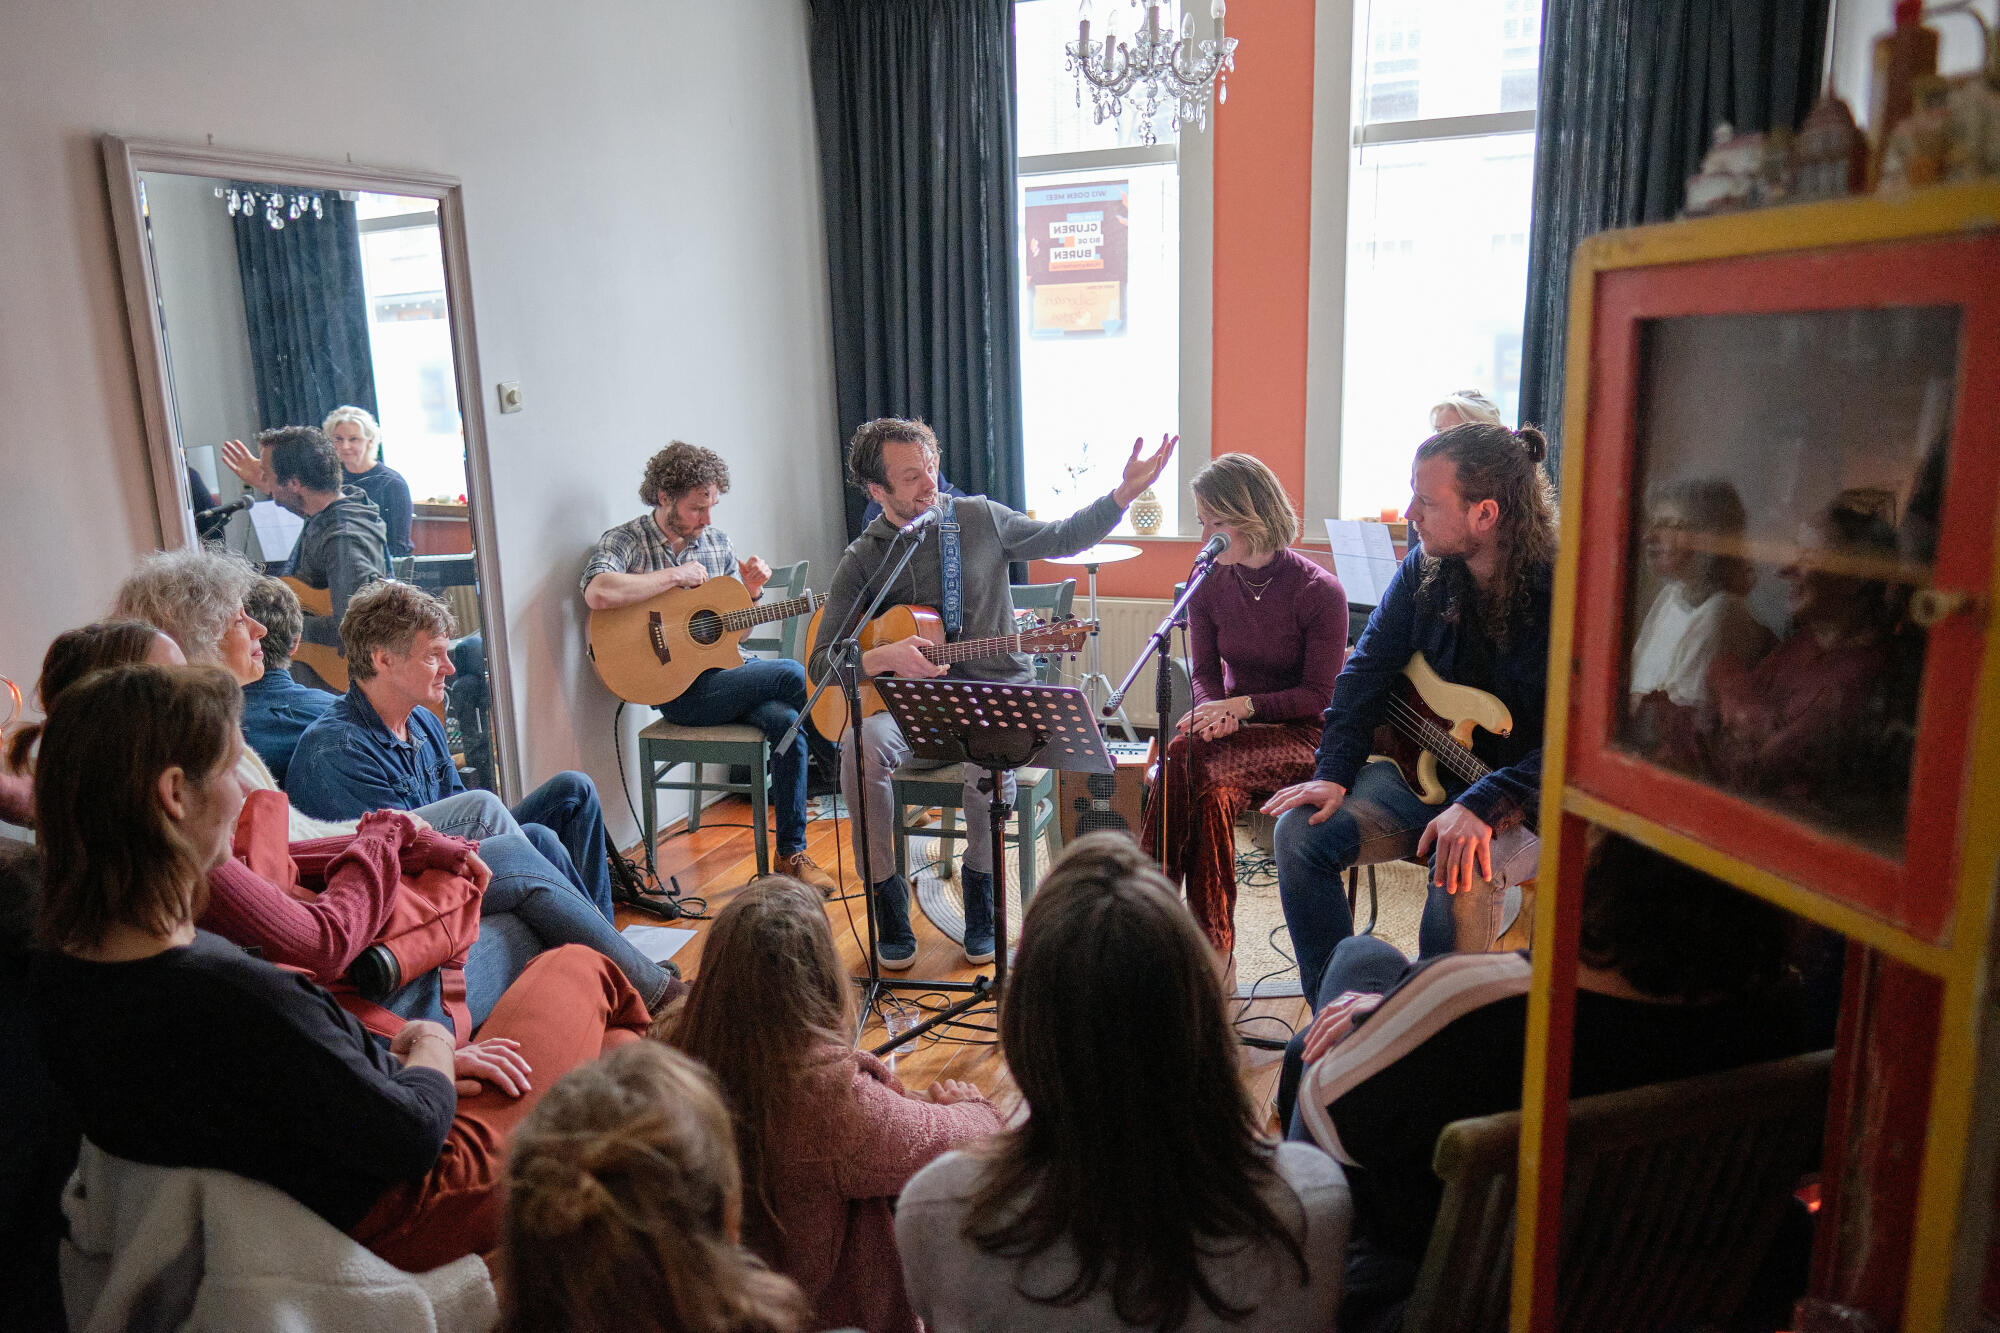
(302, 454)
(864, 451)
(1494, 463)
(387, 616)
(679, 468)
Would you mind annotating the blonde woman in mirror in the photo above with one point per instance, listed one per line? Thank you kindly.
(357, 440)
(1693, 544)
(1462, 407)
(624, 1207)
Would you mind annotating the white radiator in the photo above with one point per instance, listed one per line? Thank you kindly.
(1126, 621)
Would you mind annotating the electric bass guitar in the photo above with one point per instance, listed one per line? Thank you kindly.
(1428, 726)
(330, 663)
(651, 651)
(900, 622)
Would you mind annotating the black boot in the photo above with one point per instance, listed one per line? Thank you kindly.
(977, 888)
(895, 942)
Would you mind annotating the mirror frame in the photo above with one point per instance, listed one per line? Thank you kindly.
(124, 158)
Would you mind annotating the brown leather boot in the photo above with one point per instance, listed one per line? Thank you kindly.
(803, 868)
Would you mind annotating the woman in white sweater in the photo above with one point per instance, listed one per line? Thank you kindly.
(1138, 1192)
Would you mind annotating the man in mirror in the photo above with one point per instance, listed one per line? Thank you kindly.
(344, 544)
(678, 546)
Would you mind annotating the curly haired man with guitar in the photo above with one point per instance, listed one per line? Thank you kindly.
(1460, 640)
(676, 546)
(895, 463)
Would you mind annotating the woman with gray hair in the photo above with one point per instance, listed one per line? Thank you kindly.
(1462, 407)
(357, 439)
(196, 597)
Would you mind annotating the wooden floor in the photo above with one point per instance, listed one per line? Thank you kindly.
(717, 860)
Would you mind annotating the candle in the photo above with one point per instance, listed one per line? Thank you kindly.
(1390, 513)
(1218, 9)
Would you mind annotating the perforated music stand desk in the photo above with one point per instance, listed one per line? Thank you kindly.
(998, 727)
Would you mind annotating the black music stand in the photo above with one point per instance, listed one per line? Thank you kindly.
(998, 727)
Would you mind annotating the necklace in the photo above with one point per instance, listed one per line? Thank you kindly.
(1256, 590)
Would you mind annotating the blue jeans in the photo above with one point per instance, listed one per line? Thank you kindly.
(1381, 820)
(470, 814)
(766, 694)
(1359, 963)
(568, 807)
(529, 907)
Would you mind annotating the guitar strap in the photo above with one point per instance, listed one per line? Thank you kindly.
(954, 581)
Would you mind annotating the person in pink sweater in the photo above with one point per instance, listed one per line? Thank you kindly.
(827, 1135)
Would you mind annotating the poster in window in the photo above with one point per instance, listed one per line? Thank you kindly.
(1078, 243)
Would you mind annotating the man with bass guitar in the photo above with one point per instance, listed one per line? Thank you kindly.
(676, 546)
(1474, 601)
(895, 463)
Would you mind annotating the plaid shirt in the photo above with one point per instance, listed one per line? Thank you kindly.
(639, 547)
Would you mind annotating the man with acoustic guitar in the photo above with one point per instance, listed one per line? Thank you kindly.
(676, 546)
(1474, 600)
(895, 463)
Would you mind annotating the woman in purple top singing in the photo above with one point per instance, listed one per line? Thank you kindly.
(1269, 633)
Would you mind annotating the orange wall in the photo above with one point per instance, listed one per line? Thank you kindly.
(1263, 244)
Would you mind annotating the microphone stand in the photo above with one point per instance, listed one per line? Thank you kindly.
(843, 659)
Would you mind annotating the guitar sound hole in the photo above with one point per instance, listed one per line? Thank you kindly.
(705, 627)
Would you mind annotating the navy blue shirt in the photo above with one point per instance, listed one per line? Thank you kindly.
(349, 762)
(1412, 618)
(391, 494)
(276, 712)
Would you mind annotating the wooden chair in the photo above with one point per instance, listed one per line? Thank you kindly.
(665, 746)
(920, 790)
(1671, 1199)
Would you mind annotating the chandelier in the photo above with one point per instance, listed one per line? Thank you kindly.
(1163, 65)
(278, 205)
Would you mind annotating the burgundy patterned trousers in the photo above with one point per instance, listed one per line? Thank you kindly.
(1204, 799)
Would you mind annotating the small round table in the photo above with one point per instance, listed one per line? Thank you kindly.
(1097, 685)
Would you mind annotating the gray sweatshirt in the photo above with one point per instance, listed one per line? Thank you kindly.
(343, 546)
(990, 535)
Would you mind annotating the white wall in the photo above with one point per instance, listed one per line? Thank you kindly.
(642, 206)
(1856, 25)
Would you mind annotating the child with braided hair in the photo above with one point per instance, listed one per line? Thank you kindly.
(624, 1204)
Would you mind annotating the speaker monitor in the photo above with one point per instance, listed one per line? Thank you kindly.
(1093, 802)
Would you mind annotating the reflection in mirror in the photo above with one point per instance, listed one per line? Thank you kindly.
(1791, 473)
(325, 310)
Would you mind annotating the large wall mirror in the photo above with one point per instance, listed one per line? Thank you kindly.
(266, 292)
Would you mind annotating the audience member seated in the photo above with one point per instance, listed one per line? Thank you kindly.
(624, 1205)
(39, 1141)
(1269, 632)
(357, 442)
(343, 545)
(1463, 407)
(1137, 1193)
(1698, 617)
(1680, 975)
(277, 709)
(178, 1048)
(529, 905)
(826, 1135)
(383, 743)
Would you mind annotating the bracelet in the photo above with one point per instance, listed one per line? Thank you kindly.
(450, 1049)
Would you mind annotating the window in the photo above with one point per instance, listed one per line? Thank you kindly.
(409, 335)
(1439, 192)
(1100, 237)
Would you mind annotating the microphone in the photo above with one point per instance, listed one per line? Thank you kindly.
(220, 512)
(916, 526)
(1213, 551)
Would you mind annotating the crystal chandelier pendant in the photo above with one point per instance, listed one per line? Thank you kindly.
(1163, 67)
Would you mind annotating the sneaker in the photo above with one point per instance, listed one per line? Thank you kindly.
(976, 886)
(804, 869)
(895, 942)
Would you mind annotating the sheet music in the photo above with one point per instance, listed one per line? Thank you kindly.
(277, 529)
(658, 943)
(1364, 558)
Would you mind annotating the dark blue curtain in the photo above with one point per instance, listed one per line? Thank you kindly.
(307, 311)
(915, 103)
(1631, 93)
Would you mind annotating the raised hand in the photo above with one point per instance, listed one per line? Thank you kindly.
(248, 464)
(1143, 472)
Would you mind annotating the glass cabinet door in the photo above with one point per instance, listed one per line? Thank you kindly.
(1789, 495)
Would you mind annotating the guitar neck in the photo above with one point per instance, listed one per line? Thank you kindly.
(1462, 762)
(759, 615)
(971, 650)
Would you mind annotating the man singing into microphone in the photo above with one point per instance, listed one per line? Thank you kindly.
(966, 548)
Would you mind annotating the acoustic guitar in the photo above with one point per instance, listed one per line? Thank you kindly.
(900, 622)
(330, 663)
(1428, 726)
(651, 651)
